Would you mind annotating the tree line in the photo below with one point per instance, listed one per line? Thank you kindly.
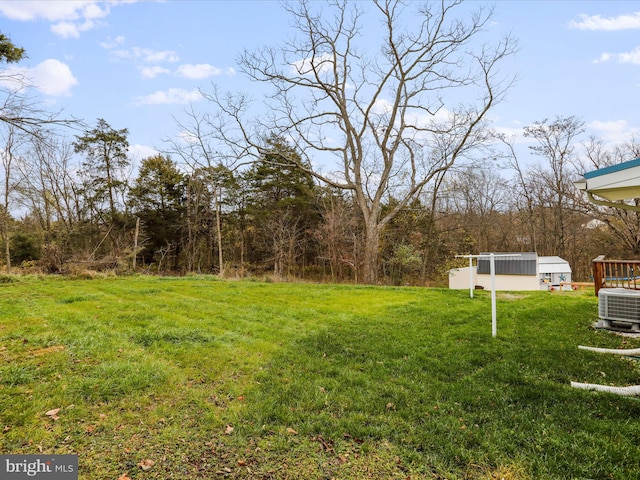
(83, 207)
(369, 166)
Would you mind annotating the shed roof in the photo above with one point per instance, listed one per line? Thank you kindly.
(520, 263)
(552, 259)
(553, 264)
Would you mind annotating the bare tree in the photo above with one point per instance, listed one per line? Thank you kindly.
(13, 144)
(479, 195)
(555, 143)
(522, 196)
(390, 119)
(337, 235)
(200, 155)
(50, 182)
(283, 242)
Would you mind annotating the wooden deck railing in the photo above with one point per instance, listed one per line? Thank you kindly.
(616, 273)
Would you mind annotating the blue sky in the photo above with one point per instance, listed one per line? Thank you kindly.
(140, 64)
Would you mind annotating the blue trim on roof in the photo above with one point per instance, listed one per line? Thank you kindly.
(613, 168)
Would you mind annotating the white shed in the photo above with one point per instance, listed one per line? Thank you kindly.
(514, 271)
(553, 272)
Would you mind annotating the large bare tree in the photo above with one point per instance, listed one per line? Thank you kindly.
(384, 97)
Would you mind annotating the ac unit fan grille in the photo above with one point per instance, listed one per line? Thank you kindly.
(619, 304)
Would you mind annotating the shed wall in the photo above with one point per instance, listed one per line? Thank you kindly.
(509, 282)
(459, 278)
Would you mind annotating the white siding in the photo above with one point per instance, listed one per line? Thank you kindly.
(459, 278)
(509, 282)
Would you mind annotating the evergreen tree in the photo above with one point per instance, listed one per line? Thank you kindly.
(282, 207)
(157, 198)
(104, 168)
(9, 53)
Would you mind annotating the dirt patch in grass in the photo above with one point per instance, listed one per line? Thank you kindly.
(511, 296)
(44, 351)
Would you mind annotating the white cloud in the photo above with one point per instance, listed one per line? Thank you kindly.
(413, 117)
(511, 133)
(52, 77)
(112, 43)
(625, 57)
(201, 70)
(171, 96)
(630, 57)
(381, 106)
(187, 137)
(68, 18)
(322, 63)
(140, 152)
(93, 10)
(51, 10)
(605, 57)
(147, 55)
(13, 78)
(66, 30)
(153, 56)
(153, 72)
(615, 132)
(597, 22)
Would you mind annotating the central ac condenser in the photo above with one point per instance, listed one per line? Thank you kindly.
(619, 305)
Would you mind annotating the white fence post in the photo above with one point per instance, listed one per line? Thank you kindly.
(494, 323)
(492, 263)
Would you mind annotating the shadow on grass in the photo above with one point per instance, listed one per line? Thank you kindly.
(447, 400)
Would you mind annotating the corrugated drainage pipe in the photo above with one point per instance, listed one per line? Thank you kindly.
(630, 352)
(632, 391)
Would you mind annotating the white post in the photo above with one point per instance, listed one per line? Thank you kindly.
(471, 286)
(492, 263)
(494, 325)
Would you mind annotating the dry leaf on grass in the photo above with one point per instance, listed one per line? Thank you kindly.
(228, 430)
(146, 464)
(53, 414)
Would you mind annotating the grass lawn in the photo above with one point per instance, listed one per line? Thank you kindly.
(196, 378)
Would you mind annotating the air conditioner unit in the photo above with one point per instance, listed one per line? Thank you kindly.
(619, 305)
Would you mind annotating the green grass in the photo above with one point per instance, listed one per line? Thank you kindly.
(216, 379)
